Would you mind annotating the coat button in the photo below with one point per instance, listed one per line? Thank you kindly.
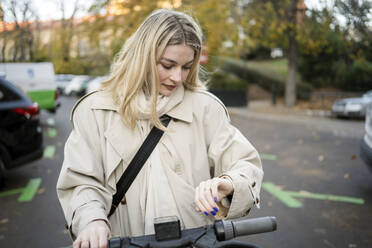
(253, 184)
(257, 200)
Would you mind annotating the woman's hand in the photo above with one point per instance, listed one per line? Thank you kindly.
(209, 192)
(94, 235)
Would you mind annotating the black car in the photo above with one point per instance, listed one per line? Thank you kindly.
(20, 132)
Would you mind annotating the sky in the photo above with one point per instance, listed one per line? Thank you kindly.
(48, 9)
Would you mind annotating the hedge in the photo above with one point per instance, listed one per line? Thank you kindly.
(265, 79)
(222, 80)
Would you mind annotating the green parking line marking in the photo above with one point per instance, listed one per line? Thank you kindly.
(27, 193)
(52, 132)
(30, 190)
(11, 192)
(288, 197)
(51, 122)
(49, 152)
(267, 156)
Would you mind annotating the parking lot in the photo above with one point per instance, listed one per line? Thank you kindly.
(315, 183)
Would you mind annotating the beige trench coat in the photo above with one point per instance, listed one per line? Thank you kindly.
(200, 141)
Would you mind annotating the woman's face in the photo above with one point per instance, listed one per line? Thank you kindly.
(174, 67)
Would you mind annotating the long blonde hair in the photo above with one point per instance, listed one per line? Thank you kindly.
(134, 68)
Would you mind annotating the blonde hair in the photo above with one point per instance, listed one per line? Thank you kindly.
(134, 68)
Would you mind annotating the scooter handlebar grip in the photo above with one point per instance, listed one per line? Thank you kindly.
(253, 226)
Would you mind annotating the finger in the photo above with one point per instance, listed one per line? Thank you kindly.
(199, 198)
(76, 243)
(214, 190)
(204, 193)
(103, 240)
(103, 236)
(94, 241)
(85, 244)
(209, 197)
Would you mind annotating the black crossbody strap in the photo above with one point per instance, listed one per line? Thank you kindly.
(137, 163)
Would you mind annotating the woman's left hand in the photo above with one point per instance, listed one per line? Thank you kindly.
(209, 192)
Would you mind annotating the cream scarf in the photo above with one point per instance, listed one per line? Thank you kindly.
(156, 198)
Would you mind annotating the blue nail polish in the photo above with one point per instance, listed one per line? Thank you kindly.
(215, 209)
(206, 213)
(215, 199)
(213, 213)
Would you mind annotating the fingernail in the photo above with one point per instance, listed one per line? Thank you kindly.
(215, 209)
(206, 213)
(215, 199)
(213, 213)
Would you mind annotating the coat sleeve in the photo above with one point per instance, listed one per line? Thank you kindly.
(80, 186)
(234, 156)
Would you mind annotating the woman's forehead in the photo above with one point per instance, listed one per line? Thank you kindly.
(181, 54)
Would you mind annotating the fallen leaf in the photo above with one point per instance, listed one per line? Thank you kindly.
(4, 221)
(346, 176)
(41, 191)
(305, 192)
(321, 158)
(300, 141)
(353, 157)
(269, 204)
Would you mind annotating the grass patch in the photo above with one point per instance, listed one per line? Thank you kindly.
(279, 66)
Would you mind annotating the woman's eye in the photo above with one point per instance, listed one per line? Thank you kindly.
(166, 67)
(186, 68)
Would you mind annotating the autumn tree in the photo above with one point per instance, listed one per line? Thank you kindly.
(273, 23)
(213, 16)
(22, 15)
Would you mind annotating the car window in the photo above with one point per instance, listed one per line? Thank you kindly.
(7, 94)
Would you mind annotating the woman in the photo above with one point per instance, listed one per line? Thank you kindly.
(155, 73)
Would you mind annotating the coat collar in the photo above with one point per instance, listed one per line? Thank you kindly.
(181, 111)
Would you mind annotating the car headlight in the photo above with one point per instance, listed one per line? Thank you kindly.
(354, 107)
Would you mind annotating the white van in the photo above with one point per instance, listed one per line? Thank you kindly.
(36, 79)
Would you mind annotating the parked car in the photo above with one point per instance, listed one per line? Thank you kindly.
(366, 143)
(20, 132)
(352, 107)
(77, 86)
(36, 79)
(62, 80)
(95, 84)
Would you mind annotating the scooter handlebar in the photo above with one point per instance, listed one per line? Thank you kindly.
(236, 228)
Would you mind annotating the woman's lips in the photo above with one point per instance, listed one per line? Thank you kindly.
(169, 87)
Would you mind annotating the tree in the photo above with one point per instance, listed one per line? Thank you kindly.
(67, 29)
(273, 23)
(357, 29)
(22, 14)
(213, 17)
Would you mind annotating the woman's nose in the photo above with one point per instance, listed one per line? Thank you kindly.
(176, 75)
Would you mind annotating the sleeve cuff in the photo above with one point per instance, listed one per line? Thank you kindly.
(86, 214)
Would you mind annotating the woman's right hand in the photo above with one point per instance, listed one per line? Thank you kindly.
(94, 235)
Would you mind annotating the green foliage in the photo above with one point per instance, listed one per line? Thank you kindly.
(355, 77)
(268, 80)
(73, 66)
(222, 80)
(212, 16)
(330, 57)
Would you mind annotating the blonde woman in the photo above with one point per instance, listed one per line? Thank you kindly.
(155, 73)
